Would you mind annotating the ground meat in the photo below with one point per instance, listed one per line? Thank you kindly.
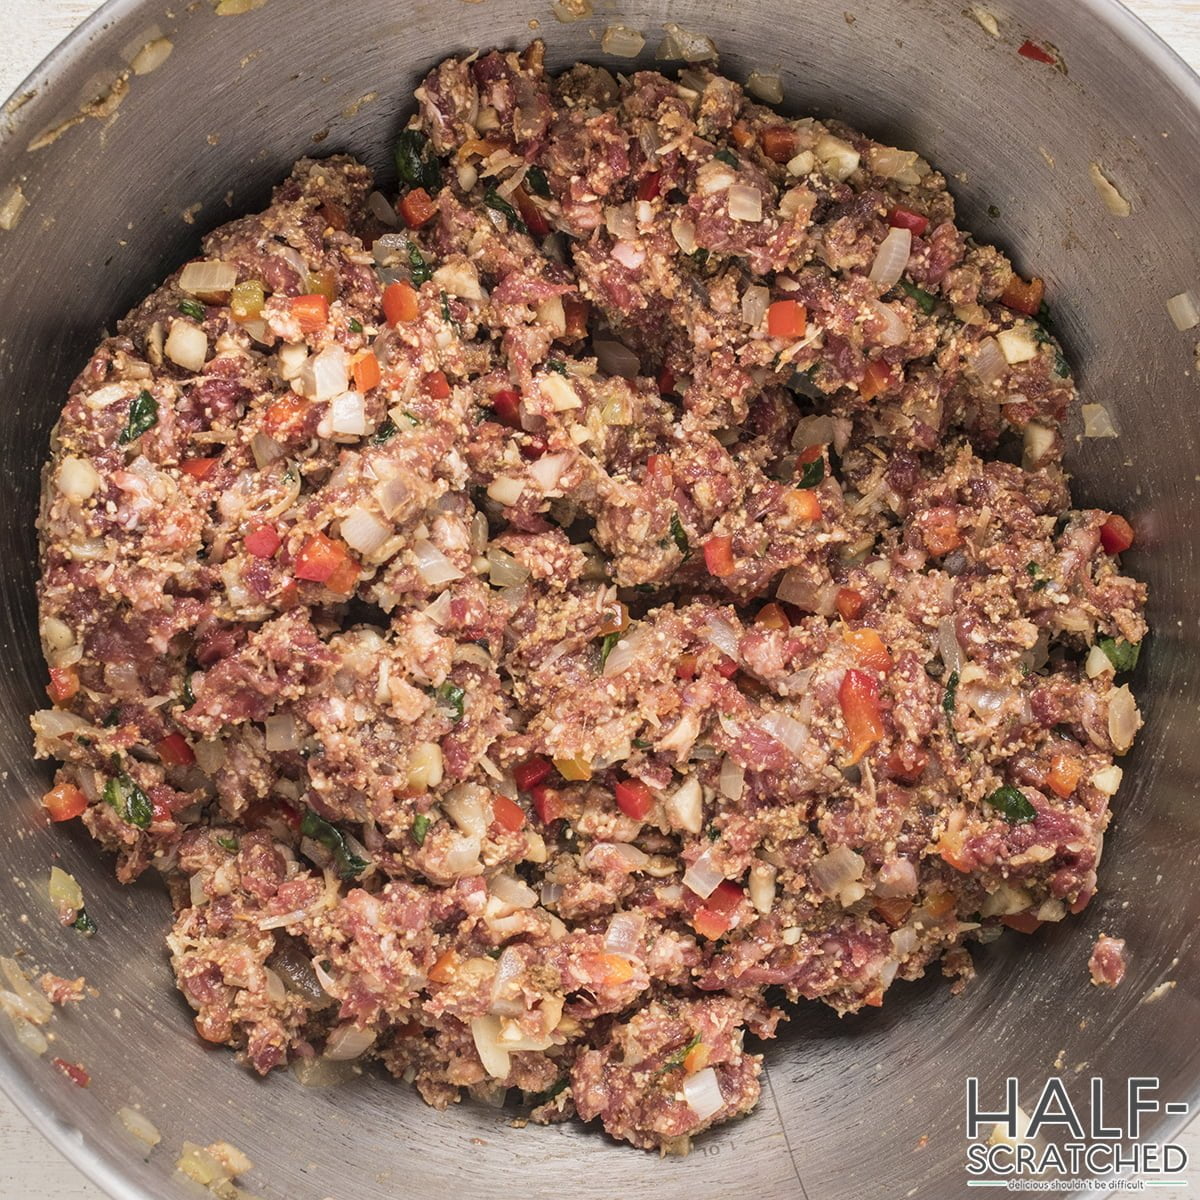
(527, 628)
(1107, 963)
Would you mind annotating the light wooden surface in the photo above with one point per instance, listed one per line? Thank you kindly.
(28, 30)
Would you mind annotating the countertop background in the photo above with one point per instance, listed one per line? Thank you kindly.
(29, 29)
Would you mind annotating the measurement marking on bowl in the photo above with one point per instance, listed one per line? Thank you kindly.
(783, 1128)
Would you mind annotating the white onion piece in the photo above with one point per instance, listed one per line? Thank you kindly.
(765, 87)
(625, 652)
(988, 361)
(52, 724)
(720, 633)
(78, 480)
(504, 570)
(363, 531)
(755, 301)
(40, 1009)
(465, 806)
(463, 857)
(28, 1034)
(186, 346)
(732, 780)
(1098, 663)
(66, 896)
(281, 732)
(548, 470)
(894, 330)
(459, 278)
(13, 203)
(485, 1031)
(432, 565)
(383, 210)
(1183, 311)
(684, 233)
(811, 595)
(685, 44)
(897, 877)
(1098, 422)
(266, 450)
(745, 203)
(139, 1126)
(620, 221)
(813, 431)
(838, 869)
(559, 391)
(628, 255)
(1017, 344)
(1108, 191)
(787, 731)
(614, 358)
(891, 258)
(347, 414)
(948, 645)
(208, 278)
(635, 859)
(702, 1093)
(624, 935)
(1108, 780)
(1124, 720)
(512, 891)
(703, 877)
(685, 806)
(325, 375)
(1038, 442)
(762, 886)
(348, 1041)
(838, 158)
(290, 359)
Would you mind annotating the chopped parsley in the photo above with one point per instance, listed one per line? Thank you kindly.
(84, 923)
(417, 265)
(420, 827)
(641, 744)
(925, 301)
(451, 696)
(949, 698)
(355, 325)
(227, 842)
(495, 201)
(714, 834)
(193, 309)
(411, 418)
(446, 309)
(557, 365)
(143, 415)
(606, 647)
(187, 695)
(812, 474)
(416, 164)
(993, 211)
(1035, 573)
(539, 185)
(131, 803)
(1122, 654)
(728, 158)
(384, 432)
(676, 1059)
(111, 719)
(537, 1099)
(679, 537)
(1013, 805)
(349, 865)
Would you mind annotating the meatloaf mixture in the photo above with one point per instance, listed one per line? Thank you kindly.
(544, 622)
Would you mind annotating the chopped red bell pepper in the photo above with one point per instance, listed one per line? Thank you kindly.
(64, 801)
(726, 667)
(714, 917)
(1024, 297)
(1116, 535)
(685, 668)
(772, 616)
(285, 417)
(64, 684)
(939, 528)
(576, 314)
(905, 218)
(547, 803)
(531, 772)
(1064, 775)
(262, 541)
(199, 468)
(778, 143)
(531, 214)
(666, 381)
(876, 379)
(1030, 49)
(850, 603)
(718, 556)
(634, 798)
(174, 751)
(907, 764)
(506, 404)
(73, 1071)
(437, 385)
(400, 303)
(324, 560)
(859, 698)
(803, 503)
(868, 649)
(649, 186)
(1024, 922)
(311, 312)
(364, 370)
(508, 813)
(786, 319)
(418, 208)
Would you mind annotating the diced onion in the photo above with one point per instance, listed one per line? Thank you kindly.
(1038, 442)
(78, 480)
(1183, 311)
(1124, 720)
(624, 935)
(512, 891)
(463, 856)
(703, 877)
(503, 569)
(208, 279)
(1097, 422)
(793, 735)
(894, 330)
(839, 159)
(432, 565)
(66, 896)
(798, 588)
(38, 1007)
(762, 886)
(347, 414)
(622, 42)
(813, 431)
(988, 361)
(291, 358)
(559, 391)
(141, 1128)
(685, 806)
(1098, 663)
(897, 877)
(485, 1031)
(732, 780)
(548, 470)
(628, 255)
(685, 44)
(614, 358)
(324, 375)
(281, 732)
(382, 209)
(745, 203)
(626, 652)
(465, 806)
(801, 164)
(12, 204)
(1017, 344)
(459, 278)
(684, 233)
(28, 1034)
(363, 531)
(835, 871)
(715, 176)
(765, 87)
(425, 766)
(891, 258)
(347, 1042)
(1113, 200)
(755, 301)
(1108, 780)
(635, 859)
(948, 644)
(720, 633)
(186, 345)
(702, 1093)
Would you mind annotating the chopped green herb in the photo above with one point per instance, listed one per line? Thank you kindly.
(641, 744)
(948, 700)
(679, 537)
(416, 164)
(1033, 569)
(1041, 583)
(384, 432)
(417, 265)
(606, 647)
(676, 1059)
(143, 415)
(446, 308)
(1062, 368)
(714, 834)
(993, 211)
(728, 158)
(193, 309)
(349, 865)
(925, 301)
(494, 200)
(356, 326)
(537, 1099)
(1122, 654)
(420, 827)
(227, 842)
(111, 719)
(539, 185)
(188, 696)
(84, 923)
(451, 696)
(700, 257)
(411, 418)
(131, 803)
(557, 365)
(812, 474)
(1035, 572)
(1013, 805)
(1044, 316)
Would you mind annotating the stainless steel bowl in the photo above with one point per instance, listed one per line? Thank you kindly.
(867, 1106)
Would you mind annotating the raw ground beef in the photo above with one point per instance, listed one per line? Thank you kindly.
(541, 624)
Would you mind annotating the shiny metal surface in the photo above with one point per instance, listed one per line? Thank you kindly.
(868, 1106)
